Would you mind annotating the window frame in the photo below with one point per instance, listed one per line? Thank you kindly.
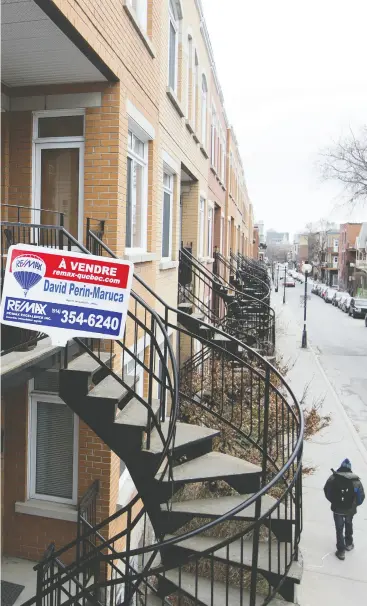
(194, 104)
(143, 162)
(173, 20)
(141, 12)
(170, 191)
(39, 143)
(204, 109)
(189, 70)
(51, 398)
(201, 226)
(209, 221)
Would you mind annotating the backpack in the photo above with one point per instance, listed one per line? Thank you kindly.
(342, 492)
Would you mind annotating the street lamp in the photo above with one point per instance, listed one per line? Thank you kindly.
(285, 279)
(307, 269)
(277, 284)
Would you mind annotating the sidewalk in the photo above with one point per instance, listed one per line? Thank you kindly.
(326, 580)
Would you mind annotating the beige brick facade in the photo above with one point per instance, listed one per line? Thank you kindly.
(204, 163)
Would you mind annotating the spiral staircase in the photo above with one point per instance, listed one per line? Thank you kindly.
(213, 444)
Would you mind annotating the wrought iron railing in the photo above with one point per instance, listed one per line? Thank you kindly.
(254, 312)
(246, 397)
(230, 387)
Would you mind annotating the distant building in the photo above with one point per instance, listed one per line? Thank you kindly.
(260, 227)
(256, 243)
(349, 233)
(300, 251)
(276, 237)
(360, 274)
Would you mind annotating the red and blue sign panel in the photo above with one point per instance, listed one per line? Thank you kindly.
(65, 294)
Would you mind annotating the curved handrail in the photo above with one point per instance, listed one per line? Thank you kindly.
(289, 473)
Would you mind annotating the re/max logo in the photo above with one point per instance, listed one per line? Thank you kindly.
(26, 306)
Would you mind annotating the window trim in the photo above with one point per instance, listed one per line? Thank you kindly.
(201, 226)
(143, 23)
(142, 161)
(33, 398)
(209, 245)
(168, 172)
(39, 143)
(172, 19)
(204, 109)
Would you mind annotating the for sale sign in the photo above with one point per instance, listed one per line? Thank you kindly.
(65, 294)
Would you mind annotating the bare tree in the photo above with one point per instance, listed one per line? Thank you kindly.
(346, 162)
(278, 252)
(317, 242)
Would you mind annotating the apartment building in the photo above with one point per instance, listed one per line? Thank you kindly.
(113, 123)
(332, 257)
(347, 254)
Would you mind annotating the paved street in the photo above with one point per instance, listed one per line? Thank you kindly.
(334, 367)
(340, 343)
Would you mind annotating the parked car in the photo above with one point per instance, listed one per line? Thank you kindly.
(290, 282)
(329, 295)
(323, 291)
(345, 303)
(358, 307)
(339, 294)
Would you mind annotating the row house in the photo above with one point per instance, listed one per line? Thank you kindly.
(115, 142)
(330, 256)
(360, 282)
(347, 255)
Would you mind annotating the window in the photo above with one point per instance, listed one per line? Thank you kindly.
(189, 74)
(141, 10)
(223, 177)
(137, 193)
(222, 235)
(53, 449)
(167, 216)
(172, 48)
(204, 92)
(210, 232)
(213, 136)
(335, 260)
(194, 91)
(201, 227)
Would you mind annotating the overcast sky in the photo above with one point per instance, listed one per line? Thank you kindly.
(294, 79)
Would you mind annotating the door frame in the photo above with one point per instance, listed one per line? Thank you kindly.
(56, 143)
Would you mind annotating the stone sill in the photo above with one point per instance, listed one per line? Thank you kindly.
(134, 20)
(204, 152)
(189, 127)
(213, 170)
(175, 102)
(164, 265)
(47, 509)
(196, 138)
(141, 257)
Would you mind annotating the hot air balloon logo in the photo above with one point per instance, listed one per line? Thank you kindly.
(28, 270)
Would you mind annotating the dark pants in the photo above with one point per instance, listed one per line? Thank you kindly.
(340, 522)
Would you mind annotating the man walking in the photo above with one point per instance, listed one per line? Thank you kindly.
(345, 492)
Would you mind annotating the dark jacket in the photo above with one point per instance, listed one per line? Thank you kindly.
(358, 489)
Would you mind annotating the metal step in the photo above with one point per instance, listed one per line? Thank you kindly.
(111, 390)
(135, 414)
(85, 363)
(239, 553)
(212, 466)
(208, 592)
(186, 435)
(213, 508)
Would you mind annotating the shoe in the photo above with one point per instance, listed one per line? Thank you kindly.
(349, 547)
(340, 555)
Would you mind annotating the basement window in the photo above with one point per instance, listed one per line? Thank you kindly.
(53, 443)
